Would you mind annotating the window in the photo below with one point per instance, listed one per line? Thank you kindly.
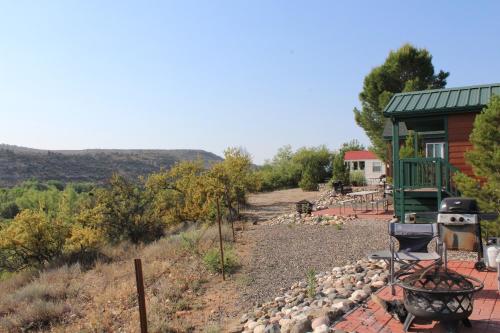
(347, 165)
(377, 166)
(434, 149)
(362, 165)
(355, 165)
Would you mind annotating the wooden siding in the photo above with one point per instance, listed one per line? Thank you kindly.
(459, 130)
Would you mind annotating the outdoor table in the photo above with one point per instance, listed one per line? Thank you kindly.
(363, 195)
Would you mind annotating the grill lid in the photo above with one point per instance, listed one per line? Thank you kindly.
(459, 205)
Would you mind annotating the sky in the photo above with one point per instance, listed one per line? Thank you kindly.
(213, 74)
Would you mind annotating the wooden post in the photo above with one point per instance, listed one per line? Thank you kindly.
(220, 241)
(140, 295)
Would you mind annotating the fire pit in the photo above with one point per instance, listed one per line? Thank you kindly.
(304, 207)
(441, 295)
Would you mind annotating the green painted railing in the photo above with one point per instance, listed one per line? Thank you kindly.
(417, 173)
(426, 173)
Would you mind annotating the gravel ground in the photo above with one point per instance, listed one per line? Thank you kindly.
(282, 254)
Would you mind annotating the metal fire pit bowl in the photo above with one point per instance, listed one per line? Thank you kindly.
(441, 295)
(304, 207)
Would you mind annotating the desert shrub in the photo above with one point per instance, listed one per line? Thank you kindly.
(357, 178)
(190, 240)
(42, 302)
(213, 328)
(199, 240)
(212, 260)
(32, 239)
(122, 212)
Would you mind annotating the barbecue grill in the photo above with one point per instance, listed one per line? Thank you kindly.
(439, 294)
(460, 228)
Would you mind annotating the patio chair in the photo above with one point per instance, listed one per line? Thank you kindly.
(413, 241)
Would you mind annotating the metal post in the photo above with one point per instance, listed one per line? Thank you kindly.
(396, 190)
(232, 227)
(140, 295)
(439, 182)
(402, 191)
(220, 241)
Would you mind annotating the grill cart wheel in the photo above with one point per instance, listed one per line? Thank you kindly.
(480, 266)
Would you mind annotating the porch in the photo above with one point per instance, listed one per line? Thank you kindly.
(428, 132)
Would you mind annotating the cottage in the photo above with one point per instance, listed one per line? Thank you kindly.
(367, 162)
(441, 122)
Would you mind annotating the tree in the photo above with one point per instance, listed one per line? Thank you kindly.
(315, 166)
(406, 69)
(122, 211)
(408, 149)
(485, 161)
(179, 193)
(236, 178)
(281, 172)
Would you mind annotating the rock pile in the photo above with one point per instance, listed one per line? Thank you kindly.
(328, 198)
(297, 218)
(315, 306)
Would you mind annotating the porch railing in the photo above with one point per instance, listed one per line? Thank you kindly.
(420, 173)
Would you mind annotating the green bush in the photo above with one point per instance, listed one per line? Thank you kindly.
(9, 210)
(212, 260)
(307, 182)
(357, 178)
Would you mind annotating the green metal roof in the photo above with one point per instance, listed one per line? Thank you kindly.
(460, 99)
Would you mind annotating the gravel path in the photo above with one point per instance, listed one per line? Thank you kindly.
(282, 255)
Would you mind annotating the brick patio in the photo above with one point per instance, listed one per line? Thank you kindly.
(485, 318)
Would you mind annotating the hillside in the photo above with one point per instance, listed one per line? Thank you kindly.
(90, 165)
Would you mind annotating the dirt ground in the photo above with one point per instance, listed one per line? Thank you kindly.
(264, 206)
(274, 257)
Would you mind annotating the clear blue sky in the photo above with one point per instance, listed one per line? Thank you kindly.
(212, 74)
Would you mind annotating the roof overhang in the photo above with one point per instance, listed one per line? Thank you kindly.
(441, 101)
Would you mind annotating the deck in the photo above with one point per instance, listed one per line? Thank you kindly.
(485, 318)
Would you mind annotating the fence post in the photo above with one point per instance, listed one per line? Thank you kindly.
(220, 241)
(140, 295)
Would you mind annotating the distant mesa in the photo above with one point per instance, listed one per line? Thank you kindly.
(18, 164)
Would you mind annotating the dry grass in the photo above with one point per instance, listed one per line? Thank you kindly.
(103, 299)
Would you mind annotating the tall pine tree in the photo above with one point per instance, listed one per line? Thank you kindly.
(485, 161)
(406, 69)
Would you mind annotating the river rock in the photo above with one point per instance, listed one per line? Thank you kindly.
(323, 320)
(302, 326)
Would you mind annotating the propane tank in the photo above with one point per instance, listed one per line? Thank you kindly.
(498, 270)
(492, 256)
